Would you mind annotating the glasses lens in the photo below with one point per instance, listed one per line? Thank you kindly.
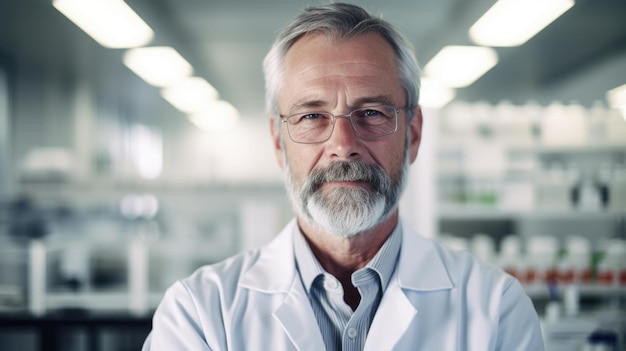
(376, 121)
(310, 127)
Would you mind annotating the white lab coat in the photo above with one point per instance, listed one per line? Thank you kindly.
(437, 300)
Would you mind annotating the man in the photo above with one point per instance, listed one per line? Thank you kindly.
(347, 273)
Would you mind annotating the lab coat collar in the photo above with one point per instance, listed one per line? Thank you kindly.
(420, 265)
(275, 269)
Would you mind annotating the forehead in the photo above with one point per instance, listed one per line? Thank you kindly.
(317, 67)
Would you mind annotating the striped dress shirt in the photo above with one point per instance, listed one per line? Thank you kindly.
(342, 328)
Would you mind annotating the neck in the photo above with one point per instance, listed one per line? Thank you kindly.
(343, 256)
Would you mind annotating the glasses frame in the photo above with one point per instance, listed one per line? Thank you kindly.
(285, 120)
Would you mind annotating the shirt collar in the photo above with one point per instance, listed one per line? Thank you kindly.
(383, 263)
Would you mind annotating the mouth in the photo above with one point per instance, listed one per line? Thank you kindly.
(347, 183)
(344, 175)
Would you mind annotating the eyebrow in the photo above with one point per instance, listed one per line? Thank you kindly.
(379, 99)
(318, 104)
(306, 105)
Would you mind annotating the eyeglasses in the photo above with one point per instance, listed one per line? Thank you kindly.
(370, 122)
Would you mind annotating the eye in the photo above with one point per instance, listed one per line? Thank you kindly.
(307, 117)
(370, 113)
(310, 116)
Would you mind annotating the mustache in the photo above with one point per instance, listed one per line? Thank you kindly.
(352, 171)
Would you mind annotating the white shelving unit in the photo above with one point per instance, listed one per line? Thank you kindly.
(524, 164)
(529, 172)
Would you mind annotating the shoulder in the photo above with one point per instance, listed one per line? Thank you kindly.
(220, 276)
(465, 263)
(427, 264)
(477, 275)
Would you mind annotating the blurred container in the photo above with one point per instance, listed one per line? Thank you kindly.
(574, 266)
(597, 124)
(483, 246)
(564, 125)
(541, 255)
(611, 269)
(616, 187)
(616, 127)
(568, 334)
(510, 257)
(553, 188)
(514, 123)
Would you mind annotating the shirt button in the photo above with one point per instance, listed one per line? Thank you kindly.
(352, 333)
(331, 284)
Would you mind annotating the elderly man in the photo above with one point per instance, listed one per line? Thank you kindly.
(346, 273)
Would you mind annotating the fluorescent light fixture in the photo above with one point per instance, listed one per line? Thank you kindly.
(513, 22)
(617, 99)
(460, 66)
(219, 116)
(190, 95)
(112, 23)
(435, 95)
(158, 65)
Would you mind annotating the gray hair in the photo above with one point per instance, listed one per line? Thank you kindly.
(341, 22)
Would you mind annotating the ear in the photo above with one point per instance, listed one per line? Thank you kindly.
(276, 142)
(415, 133)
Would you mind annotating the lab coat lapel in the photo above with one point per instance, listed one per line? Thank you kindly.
(392, 319)
(298, 320)
(275, 273)
(420, 268)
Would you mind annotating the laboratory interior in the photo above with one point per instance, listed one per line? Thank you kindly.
(135, 148)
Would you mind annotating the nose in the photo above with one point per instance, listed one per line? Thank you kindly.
(343, 143)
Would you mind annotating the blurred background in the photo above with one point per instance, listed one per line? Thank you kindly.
(135, 147)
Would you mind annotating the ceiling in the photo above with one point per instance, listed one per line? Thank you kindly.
(226, 41)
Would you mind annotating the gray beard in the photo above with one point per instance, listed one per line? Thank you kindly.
(346, 211)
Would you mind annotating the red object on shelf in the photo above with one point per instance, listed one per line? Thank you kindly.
(585, 276)
(530, 276)
(622, 277)
(606, 277)
(566, 276)
(552, 275)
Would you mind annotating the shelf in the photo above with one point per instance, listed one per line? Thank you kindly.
(96, 301)
(572, 150)
(540, 291)
(455, 145)
(493, 213)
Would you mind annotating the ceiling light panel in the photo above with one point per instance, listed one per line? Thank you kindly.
(219, 116)
(190, 95)
(112, 23)
(513, 22)
(460, 66)
(160, 66)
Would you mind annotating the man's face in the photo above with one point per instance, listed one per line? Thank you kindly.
(338, 77)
